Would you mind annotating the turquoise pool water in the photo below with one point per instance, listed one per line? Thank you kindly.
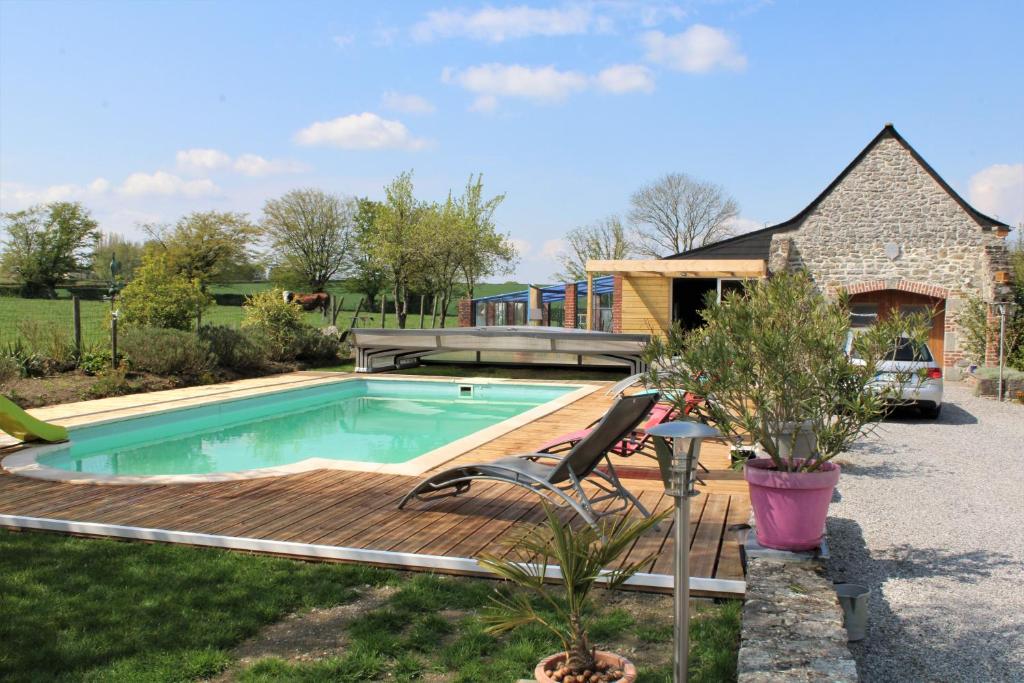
(376, 421)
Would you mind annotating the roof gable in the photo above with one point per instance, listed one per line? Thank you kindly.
(757, 244)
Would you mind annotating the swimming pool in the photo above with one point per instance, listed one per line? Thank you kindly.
(397, 426)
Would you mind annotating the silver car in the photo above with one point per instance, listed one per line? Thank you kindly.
(922, 385)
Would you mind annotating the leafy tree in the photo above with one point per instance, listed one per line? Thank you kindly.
(486, 251)
(605, 239)
(205, 245)
(368, 277)
(46, 243)
(279, 325)
(128, 253)
(161, 296)
(398, 241)
(445, 252)
(677, 213)
(311, 232)
(1015, 324)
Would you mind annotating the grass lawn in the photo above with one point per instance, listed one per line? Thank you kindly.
(97, 610)
(96, 331)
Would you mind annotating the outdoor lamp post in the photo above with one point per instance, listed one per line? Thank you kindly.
(678, 467)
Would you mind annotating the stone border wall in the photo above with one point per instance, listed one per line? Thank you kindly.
(792, 625)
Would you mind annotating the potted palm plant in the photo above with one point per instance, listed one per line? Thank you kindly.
(581, 556)
(780, 367)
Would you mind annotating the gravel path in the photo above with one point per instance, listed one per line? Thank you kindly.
(930, 515)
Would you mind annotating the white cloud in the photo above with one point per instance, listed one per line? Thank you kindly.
(205, 160)
(202, 159)
(484, 104)
(99, 186)
(544, 84)
(740, 225)
(343, 40)
(999, 191)
(541, 84)
(521, 246)
(409, 104)
(16, 196)
(552, 249)
(498, 24)
(166, 184)
(625, 78)
(359, 131)
(698, 49)
(255, 165)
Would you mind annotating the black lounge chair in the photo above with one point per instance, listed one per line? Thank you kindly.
(561, 481)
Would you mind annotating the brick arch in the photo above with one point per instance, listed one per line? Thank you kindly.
(899, 285)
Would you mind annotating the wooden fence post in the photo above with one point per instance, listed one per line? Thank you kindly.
(336, 306)
(76, 308)
(355, 316)
(383, 310)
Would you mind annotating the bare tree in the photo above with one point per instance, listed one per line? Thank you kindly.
(605, 239)
(311, 232)
(677, 213)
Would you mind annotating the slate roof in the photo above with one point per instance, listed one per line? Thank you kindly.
(756, 244)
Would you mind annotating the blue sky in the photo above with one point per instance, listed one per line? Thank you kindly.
(145, 111)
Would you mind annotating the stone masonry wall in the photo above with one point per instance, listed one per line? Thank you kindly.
(792, 626)
(890, 198)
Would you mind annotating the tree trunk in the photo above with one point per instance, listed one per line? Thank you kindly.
(581, 656)
(433, 312)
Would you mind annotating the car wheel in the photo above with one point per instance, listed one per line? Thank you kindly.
(931, 412)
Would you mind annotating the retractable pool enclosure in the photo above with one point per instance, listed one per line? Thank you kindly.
(386, 349)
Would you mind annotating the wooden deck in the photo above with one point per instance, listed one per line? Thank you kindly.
(355, 513)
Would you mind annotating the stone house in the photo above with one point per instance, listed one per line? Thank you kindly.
(889, 231)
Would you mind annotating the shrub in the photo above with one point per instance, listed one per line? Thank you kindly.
(94, 361)
(159, 296)
(110, 382)
(774, 356)
(318, 346)
(237, 349)
(167, 352)
(973, 322)
(10, 369)
(277, 323)
(29, 364)
(49, 342)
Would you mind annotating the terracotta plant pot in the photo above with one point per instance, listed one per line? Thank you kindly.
(614, 660)
(790, 507)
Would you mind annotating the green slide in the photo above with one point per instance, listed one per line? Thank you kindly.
(21, 425)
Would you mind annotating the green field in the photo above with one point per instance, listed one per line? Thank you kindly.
(95, 314)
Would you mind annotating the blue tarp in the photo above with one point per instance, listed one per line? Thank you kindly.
(552, 293)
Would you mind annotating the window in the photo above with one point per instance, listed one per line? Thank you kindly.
(556, 314)
(863, 315)
(480, 314)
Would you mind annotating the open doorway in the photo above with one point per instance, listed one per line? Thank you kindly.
(688, 300)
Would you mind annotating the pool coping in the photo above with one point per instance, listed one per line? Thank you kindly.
(25, 461)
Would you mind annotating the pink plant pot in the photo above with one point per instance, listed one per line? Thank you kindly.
(790, 507)
(627, 667)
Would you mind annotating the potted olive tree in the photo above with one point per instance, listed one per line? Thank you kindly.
(581, 557)
(781, 369)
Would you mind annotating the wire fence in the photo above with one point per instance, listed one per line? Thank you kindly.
(22, 318)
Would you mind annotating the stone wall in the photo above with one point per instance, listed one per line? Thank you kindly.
(792, 626)
(890, 200)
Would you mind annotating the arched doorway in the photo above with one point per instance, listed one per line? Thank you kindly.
(868, 306)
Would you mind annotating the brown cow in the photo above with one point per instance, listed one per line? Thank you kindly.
(318, 301)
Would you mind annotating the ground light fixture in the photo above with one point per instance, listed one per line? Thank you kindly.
(1006, 308)
(678, 449)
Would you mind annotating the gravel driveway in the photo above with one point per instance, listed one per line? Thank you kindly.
(930, 515)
